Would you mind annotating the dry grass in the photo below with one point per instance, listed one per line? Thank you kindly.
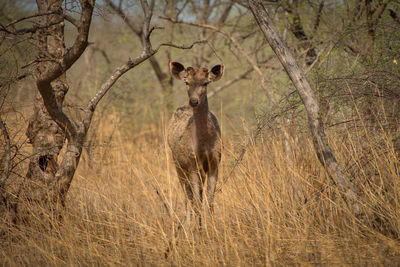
(277, 208)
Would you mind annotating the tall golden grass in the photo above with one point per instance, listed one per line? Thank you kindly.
(277, 206)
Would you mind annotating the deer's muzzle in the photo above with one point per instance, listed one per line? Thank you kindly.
(193, 102)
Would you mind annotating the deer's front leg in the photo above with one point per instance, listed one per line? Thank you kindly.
(211, 185)
(195, 197)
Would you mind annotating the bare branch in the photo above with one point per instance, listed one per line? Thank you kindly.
(222, 19)
(235, 43)
(32, 29)
(31, 16)
(109, 83)
(181, 10)
(394, 16)
(118, 73)
(103, 53)
(317, 19)
(163, 78)
(296, 27)
(320, 141)
(225, 14)
(54, 70)
(229, 83)
(182, 46)
(381, 8)
(148, 13)
(7, 151)
(130, 23)
(72, 20)
(15, 79)
(79, 46)
(330, 46)
(81, 40)
(369, 13)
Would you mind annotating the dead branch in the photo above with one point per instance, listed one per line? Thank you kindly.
(7, 152)
(296, 27)
(103, 53)
(222, 19)
(229, 83)
(320, 142)
(317, 19)
(147, 53)
(32, 29)
(394, 16)
(182, 46)
(129, 22)
(31, 16)
(109, 83)
(163, 78)
(235, 43)
(119, 72)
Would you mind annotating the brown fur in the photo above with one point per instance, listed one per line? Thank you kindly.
(194, 139)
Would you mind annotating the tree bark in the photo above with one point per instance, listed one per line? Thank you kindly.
(321, 146)
(50, 127)
(45, 135)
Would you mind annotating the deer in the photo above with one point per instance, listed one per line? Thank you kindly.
(194, 137)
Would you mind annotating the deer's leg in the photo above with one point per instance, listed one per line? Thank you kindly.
(211, 184)
(195, 185)
(188, 201)
(184, 179)
(191, 186)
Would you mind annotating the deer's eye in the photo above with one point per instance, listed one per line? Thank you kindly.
(186, 83)
(206, 83)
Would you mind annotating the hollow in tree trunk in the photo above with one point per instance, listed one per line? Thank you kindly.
(45, 135)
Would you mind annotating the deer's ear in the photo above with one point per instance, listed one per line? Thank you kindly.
(216, 72)
(177, 70)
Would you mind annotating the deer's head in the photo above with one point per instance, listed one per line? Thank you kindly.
(196, 80)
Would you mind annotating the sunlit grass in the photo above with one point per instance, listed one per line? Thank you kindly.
(277, 206)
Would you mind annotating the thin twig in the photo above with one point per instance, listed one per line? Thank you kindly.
(229, 83)
(235, 43)
(182, 46)
(31, 16)
(32, 29)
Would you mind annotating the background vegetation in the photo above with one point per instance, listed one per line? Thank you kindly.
(275, 203)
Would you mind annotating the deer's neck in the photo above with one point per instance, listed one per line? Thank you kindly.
(200, 116)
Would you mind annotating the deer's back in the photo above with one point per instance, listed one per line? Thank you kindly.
(185, 145)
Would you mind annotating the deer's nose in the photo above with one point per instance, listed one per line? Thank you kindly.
(193, 102)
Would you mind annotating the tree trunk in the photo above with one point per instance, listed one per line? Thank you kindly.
(322, 148)
(46, 137)
(50, 128)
